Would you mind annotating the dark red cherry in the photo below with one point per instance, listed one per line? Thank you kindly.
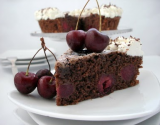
(128, 72)
(96, 41)
(75, 40)
(65, 90)
(43, 72)
(25, 84)
(46, 87)
(105, 83)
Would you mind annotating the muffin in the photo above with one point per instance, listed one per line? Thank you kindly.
(110, 15)
(52, 20)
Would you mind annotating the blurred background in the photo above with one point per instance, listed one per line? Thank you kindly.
(17, 22)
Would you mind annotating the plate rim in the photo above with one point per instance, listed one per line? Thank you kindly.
(108, 32)
(25, 62)
(21, 117)
(31, 66)
(3, 55)
(84, 117)
(133, 121)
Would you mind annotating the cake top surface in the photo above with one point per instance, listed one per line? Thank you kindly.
(71, 56)
(49, 13)
(129, 46)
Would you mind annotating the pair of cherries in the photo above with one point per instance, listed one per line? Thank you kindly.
(93, 40)
(43, 80)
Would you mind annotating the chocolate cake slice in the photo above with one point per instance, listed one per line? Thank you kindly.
(81, 76)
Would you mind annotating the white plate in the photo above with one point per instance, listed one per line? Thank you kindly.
(154, 120)
(44, 120)
(134, 102)
(25, 54)
(26, 62)
(23, 117)
(34, 119)
(35, 65)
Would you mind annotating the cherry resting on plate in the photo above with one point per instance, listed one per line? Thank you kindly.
(75, 39)
(43, 72)
(25, 84)
(96, 41)
(46, 87)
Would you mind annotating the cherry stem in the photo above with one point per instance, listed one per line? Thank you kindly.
(48, 49)
(44, 49)
(51, 80)
(31, 61)
(81, 14)
(100, 18)
(52, 53)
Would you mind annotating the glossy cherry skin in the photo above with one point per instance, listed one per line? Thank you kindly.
(75, 40)
(46, 89)
(43, 72)
(25, 84)
(96, 41)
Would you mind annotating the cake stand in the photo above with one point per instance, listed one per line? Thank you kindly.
(62, 36)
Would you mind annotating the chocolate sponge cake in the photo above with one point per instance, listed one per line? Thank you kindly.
(83, 75)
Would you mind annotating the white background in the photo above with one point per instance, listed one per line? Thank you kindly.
(17, 22)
